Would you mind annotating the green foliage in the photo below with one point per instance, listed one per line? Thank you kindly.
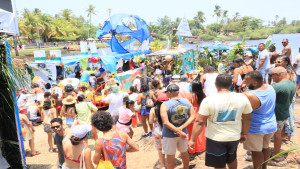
(279, 154)
(63, 26)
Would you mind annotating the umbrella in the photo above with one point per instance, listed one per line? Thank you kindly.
(72, 81)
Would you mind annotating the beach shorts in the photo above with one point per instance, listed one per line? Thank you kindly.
(34, 120)
(169, 145)
(218, 154)
(69, 121)
(264, 73)
(157, 136)
(145, 111)
(257, 142)
(280, 124)
(93, 84)
(47, 129)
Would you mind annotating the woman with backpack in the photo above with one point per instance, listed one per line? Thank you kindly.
(146, 99)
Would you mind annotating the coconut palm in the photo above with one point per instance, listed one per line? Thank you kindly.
(90, 11)
(66, 13)
(217, 12)
(200, 18)
(236, 16)
(224, 19)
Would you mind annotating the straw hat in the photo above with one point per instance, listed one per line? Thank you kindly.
(69, 100)
(112, 81)
(72, 81)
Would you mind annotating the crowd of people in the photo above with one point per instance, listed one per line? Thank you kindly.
(251, 101)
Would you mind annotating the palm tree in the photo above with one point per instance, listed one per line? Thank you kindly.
(91, 10)
(200, 18)
(236, 16)
(217, 12)
(66, 13)
(225, 16)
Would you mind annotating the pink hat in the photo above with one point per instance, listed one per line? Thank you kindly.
(162, 97)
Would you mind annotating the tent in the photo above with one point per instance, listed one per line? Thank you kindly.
(8, 18)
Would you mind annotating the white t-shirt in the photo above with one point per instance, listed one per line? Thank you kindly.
(297, 61)
(137, 83)
(32, 112)
(58, 90)
(224, 113)
(115, 101)
(264, 55)
(92, 79)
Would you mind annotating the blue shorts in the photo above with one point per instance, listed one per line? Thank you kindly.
(69, 121)
(298, 79)
(34, 120)
(93, 84)
(145, 111)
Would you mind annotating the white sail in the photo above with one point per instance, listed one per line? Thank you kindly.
(184, 28)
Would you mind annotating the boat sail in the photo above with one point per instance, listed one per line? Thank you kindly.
(183, 28)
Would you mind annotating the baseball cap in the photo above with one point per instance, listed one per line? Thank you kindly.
(81, 130)
(54, 83)
(172, 88)
(162, 97)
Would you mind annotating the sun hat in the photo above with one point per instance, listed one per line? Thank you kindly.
(172, 88)
(112, 81)
(72, 81)
(162, 97)
(81, 131)
(69, 100)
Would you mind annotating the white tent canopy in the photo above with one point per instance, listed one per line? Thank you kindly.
(8, 18)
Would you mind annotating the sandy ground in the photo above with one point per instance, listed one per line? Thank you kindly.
(147, 157)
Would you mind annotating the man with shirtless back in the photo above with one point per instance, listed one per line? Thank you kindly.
(287, 50)
(168, 67)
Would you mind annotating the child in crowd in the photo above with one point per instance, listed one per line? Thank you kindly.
(32, 113)
(57, 104)
(125, 118)
(92, 81)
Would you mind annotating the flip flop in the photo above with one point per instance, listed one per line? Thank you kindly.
(36, 153)
(52, 150)
(280, 159)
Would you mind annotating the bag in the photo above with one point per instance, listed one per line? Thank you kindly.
(149, 102)
(136, 107)
(104, 164)
(239, 81)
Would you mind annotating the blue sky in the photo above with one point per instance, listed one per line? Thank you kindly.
(151, 10)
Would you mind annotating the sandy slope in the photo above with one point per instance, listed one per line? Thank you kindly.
(147, 156)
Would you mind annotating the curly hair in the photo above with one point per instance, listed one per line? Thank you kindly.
(69, 88)
(155, 83)
(102, 121)
(47, 104)
(145, 88)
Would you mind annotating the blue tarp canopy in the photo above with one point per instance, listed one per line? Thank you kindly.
(109, 61)
(115, 26)
(218, 46)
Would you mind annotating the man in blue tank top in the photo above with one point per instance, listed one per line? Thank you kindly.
(176, 114)
(263, 121)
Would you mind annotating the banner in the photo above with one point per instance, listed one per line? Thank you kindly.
(127, 78)
(39, 56)
(45, 71)
(84, 48)
(93, 48)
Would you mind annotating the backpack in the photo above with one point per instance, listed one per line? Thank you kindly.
(149, 102)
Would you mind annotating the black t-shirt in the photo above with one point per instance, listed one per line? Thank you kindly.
(58, 141)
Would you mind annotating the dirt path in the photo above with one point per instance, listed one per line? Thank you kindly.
(147, 157)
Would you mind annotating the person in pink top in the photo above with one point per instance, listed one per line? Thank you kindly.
(125, 118)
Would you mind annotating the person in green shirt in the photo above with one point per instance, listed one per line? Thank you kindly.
(84, 111)
(285, 91)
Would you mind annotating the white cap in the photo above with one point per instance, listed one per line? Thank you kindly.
(81, 130)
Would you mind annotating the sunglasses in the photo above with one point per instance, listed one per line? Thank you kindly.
(278, 62)
(283, 42)
(54, 127)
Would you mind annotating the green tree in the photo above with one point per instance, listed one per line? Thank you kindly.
(66, 13)
(91, 11)
(199, 18)
(217, 12)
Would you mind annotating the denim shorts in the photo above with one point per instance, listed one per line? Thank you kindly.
(93, 84)
(145, 111)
